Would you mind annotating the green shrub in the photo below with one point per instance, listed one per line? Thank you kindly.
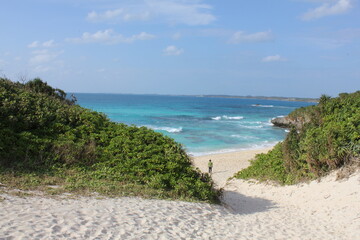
(42, 132)
(328, 139)
(268, 166)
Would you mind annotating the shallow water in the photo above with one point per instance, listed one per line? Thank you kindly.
(202, 124)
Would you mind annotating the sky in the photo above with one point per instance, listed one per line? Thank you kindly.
(290, 48)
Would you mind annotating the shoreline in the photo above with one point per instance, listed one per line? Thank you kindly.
(254, 147)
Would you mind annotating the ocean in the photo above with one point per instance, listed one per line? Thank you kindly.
(203, 125)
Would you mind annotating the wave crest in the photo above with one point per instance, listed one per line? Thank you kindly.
(244, 137)
(167, 129)
(216, 118)
(259, 105)
(224, 117)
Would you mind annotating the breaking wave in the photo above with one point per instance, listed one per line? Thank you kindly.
(259, 105)
(224, 117)
(245, 137)
(167, 129)
(260, 145)
(251, 127)
(216, 118)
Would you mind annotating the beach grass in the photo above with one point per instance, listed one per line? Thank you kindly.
(79, 184)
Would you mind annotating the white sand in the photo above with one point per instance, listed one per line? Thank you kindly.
(320, 210)
(226, 164)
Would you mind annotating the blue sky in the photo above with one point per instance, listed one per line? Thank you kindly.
(300, 48)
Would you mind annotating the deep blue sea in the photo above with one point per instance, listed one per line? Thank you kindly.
(203, 125)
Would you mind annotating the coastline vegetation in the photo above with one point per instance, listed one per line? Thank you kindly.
(327, 138)
(47, 142)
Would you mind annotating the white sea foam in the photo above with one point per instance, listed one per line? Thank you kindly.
(269, 123)
(255, 124)
(261, 145)
(252, 122)
(167, 129)
(251, 127)
(234, 118)
(259, 105)
(224, 117)
(245, 137)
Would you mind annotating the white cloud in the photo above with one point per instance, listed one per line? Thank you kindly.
(43, 59)
(141, 36)
(172, 51)
(43, 56)
(52, 64)
(108, 36)
(143, 16)
(47, 44)
(334, 39)
(275, 58)
(176, 36)
(327, 9)
(94, 16)
(240, 37)
(50, 43)
(41, 69)
(33, 44)
(183, 12)
(171, 11)
(326, 43)
(117, 14)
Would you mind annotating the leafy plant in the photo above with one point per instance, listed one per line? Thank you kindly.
(328, 139)
(42, 133)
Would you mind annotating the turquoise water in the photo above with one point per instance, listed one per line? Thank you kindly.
(203, 125)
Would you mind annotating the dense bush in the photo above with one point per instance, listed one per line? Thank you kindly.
(41, 131)
(329, 138)
(268, 166)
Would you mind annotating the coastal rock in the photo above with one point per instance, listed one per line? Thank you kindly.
(286, 122)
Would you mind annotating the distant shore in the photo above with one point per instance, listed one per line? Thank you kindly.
(290, 99)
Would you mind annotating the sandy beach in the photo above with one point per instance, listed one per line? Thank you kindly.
(226, 164)
(325, 209)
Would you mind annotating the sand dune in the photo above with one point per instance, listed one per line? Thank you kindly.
(327, 209)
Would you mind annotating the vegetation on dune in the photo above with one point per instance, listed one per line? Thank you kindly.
(46, 139)
(328, 139)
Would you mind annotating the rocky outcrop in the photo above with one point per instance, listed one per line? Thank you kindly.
(286, 122)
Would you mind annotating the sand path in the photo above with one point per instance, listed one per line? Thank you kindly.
(226, 164)
(320, 210)
(316, 209)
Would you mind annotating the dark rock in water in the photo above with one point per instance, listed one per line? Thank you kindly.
(282, 122)
(286, 122)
